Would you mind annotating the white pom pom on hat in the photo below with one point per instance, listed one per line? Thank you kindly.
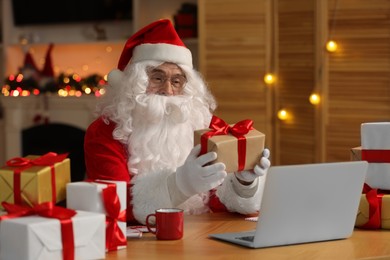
(114, 77)
(157, 41)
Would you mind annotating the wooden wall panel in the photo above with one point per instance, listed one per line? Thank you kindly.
(233, 48)
(241, 40)
(296, 80)
(358, 73)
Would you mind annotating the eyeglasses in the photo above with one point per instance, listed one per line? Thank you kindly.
(157, 79)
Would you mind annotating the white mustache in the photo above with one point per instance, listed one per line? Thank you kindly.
(155, 108)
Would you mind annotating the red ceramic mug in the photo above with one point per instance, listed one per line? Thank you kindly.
(168, 224)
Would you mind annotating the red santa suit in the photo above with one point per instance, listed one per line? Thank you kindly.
(108, 158)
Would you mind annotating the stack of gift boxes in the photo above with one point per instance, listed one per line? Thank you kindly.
(32, 226)
(374, 207)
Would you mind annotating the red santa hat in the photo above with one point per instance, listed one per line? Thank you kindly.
(156, 41)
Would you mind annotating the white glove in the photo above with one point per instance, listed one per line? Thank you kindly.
(259, 170)
(194, 176)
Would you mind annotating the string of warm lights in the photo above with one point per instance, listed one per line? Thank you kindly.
(315, 99)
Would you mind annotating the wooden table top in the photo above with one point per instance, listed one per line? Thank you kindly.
(195, 244)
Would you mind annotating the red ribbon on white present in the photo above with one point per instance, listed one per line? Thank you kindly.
(114, 235)
(376, 156)
(48, 159)
(220, 127)
(48, 210)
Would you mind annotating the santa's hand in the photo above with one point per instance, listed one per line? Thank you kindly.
(195, 176)
(247, 177)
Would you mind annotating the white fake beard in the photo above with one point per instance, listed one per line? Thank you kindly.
(162, 135)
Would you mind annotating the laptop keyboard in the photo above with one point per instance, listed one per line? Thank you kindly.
(247, 238)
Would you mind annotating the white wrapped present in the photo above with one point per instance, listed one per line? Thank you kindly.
(36, 237)
(375, 143)
(102, 196)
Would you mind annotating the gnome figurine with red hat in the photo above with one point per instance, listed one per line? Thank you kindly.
(29, 69)
(154, 101)
(43, 79)
(47, 79)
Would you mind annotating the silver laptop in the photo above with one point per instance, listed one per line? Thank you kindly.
(305, 203)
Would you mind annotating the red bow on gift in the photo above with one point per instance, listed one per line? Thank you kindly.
(374, 200)
(44, 160)
(48, 159)
(48, 210)
(220, 127)
(112, 205)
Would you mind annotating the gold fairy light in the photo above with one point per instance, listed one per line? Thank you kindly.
(283, 114)
(314, 99)
(269, 78)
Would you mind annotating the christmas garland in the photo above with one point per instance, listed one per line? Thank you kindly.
(63, 85)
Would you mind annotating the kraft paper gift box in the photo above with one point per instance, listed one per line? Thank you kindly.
(36, 237)
(227, 145)
(92, 196)
(375, 144)
(356, 153)
(41, 179)
(374, 210)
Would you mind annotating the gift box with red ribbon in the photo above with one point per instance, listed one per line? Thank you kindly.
(375, 149)
(238, 146)
(35, 179)
(46, 231)
(106, 197)
(374, 209)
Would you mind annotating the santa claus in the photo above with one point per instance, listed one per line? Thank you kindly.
(144, 133)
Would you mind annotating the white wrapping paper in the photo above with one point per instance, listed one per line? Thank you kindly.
(88, 196)
(35, 237)
(376, 136)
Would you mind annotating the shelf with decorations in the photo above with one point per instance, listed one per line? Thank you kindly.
(85, 50)
(71, 67)
(39, 74)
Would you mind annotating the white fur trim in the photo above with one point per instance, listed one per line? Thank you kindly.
(150, 192)
(114, 77)
(163, 52)
(235, 203)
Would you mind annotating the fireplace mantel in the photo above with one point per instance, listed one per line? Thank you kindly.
(20, 113)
